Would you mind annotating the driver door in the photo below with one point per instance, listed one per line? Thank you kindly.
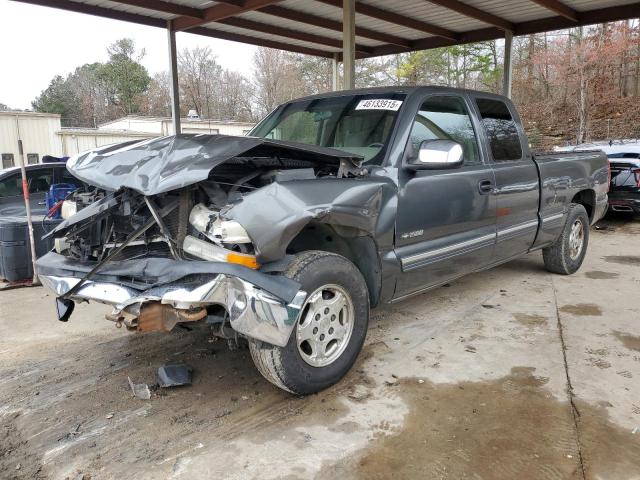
(446, 220)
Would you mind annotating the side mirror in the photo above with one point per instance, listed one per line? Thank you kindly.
(437, 154)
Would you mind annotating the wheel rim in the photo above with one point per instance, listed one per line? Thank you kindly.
(576, 239)
(325, 326)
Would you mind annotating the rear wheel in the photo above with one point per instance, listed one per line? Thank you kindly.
(329, 332)
(566, 255)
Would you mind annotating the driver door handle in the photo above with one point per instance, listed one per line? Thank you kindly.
(485, 187)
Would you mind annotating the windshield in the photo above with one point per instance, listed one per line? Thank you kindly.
(359, 124)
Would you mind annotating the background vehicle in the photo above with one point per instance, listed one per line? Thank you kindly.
(624, 192)
(624, 157)
(40, 177)
(334, 204)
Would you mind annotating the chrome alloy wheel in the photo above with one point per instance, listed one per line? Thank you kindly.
(576, 239)
(325, 325)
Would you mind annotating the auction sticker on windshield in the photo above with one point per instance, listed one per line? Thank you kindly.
(379, 104)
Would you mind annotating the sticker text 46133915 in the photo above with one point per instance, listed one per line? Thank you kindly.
(379, 104)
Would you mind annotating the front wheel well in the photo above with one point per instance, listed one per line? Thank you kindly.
(586, 198)
(356, 245)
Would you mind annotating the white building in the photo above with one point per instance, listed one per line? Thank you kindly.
(162, 125)
(132, 127)
(42, 133)
(38, 132)
(76, 140)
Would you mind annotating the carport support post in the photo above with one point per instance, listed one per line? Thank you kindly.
(348, 43)
(173, 74)
(506, 76)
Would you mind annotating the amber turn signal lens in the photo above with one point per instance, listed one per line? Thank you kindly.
(243, 259)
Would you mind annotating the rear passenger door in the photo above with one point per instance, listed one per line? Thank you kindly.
(517, 186)
(445, 223)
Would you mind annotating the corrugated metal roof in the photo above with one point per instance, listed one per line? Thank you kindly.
(582, 5)
(383, 26)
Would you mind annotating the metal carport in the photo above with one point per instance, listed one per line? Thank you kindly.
(345, 30)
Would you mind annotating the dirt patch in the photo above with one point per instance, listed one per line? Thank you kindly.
(623, 259)
(81, 411)
(632, 342)
(599, 362)
(503, 429)
(602, 352)
(21, 462)
(582, 310)
(530, 320)
(600, 275)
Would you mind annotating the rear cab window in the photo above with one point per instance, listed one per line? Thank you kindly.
(501, 130)
(40, 180)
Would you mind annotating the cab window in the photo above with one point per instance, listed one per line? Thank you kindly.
(501, 130)
(39, 180)
(10, 186)
(446, 118)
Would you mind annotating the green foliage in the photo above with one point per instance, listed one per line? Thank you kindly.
(467, 66)
(58, 98)
(124, 77)
(96, 92)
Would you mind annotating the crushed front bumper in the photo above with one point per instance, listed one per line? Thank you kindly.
(261, 306)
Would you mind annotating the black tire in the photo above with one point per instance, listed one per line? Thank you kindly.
(285, 366)
(557, 257)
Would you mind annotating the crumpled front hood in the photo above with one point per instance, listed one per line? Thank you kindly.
(167, 163)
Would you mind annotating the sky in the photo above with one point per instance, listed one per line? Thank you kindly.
(37, 43)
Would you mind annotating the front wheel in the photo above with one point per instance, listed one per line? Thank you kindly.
(566, 255)
(329, 332)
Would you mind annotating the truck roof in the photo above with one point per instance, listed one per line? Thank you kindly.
(407, 90)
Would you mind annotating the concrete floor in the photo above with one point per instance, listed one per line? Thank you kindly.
(509, 373)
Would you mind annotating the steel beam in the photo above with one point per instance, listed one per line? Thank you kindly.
(104, 12)
(98, 11)
(589, 17)
(391, 43)
(165, 7)
(259, 42)
(507, 64)
(316, 21)
(473, 12)
(559, 8)
(288, 33)
(219, 12)
(173, 79)
(348, 44)
(391, 17)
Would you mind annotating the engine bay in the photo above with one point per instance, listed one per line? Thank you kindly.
(192, 227)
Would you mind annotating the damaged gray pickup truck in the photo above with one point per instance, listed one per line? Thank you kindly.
(332, 205)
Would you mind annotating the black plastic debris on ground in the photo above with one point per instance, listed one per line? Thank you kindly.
(174, 375)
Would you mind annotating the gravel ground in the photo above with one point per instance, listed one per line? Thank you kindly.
(509, 373)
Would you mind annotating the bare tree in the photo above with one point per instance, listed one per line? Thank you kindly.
(158, 98)
(277, 79)
(198, 71)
